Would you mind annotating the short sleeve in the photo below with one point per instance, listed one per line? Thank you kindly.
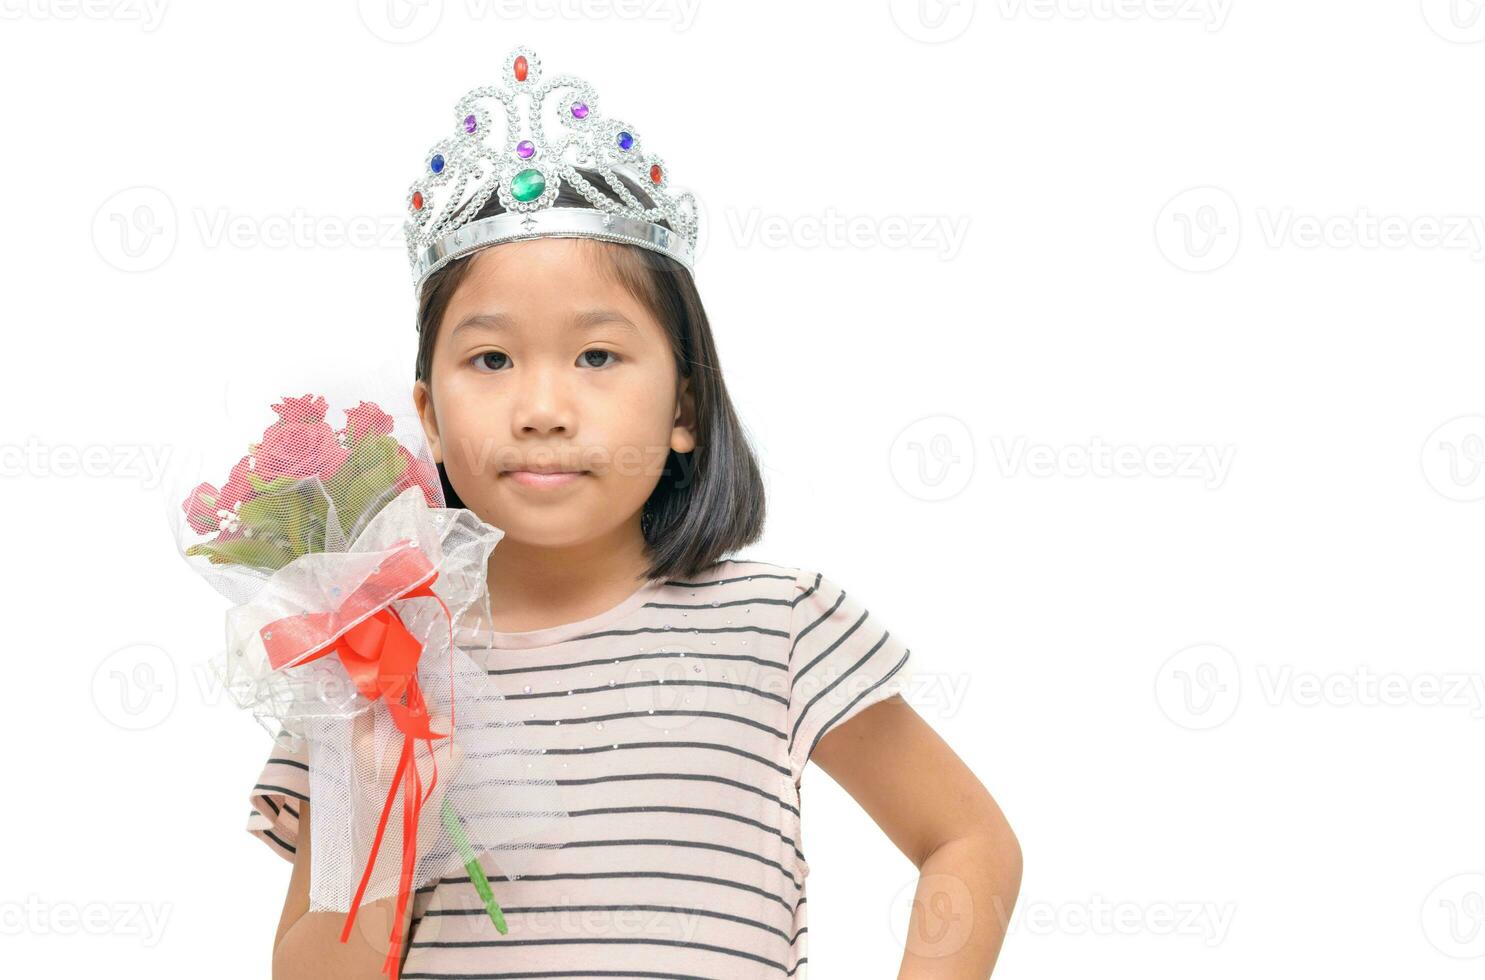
(841, 661)
(281, 787)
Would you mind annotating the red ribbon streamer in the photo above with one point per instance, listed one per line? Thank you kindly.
(381, 657)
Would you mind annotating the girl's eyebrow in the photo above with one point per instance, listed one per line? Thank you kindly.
(582, 320)
(588, 319)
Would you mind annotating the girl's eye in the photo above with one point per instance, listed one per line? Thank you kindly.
(490, 360)
(495, 360)
(587, 356)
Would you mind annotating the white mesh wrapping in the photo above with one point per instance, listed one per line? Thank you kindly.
(502, 791)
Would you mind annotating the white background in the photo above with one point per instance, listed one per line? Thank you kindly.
(1087, 247)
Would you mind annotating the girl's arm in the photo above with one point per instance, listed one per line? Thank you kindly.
(938, 814)
(308, 944)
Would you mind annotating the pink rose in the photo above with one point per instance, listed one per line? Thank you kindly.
(204, 517)
(299, 450)
(368, 418)
(306, 408)
(237, 489)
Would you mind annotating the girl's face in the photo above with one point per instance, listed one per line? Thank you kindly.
(544, 363)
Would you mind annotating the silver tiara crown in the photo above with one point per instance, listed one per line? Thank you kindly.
(504, 144)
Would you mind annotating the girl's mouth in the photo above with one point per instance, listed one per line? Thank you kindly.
(543, 481)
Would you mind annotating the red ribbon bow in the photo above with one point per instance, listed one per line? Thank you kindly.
(381, 657)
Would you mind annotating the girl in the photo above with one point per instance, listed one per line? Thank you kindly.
(572, 396)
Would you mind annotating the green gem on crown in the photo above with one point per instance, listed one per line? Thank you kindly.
(527, 185)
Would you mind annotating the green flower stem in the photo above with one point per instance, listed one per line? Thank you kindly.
(472, 865)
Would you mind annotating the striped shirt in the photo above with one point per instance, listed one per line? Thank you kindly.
(683, 856)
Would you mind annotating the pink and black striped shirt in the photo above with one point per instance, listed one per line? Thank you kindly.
(684, 859)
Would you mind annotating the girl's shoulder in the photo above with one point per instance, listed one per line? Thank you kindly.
(838, 658)
(810, 605)
(781, 576)
(801, 584)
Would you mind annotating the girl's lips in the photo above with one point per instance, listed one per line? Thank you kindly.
(542, 481)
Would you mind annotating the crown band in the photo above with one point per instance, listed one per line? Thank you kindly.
(548, 223)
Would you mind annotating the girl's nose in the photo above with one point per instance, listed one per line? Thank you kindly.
(542, 405)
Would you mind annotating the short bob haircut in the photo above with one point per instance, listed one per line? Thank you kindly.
(707, 503)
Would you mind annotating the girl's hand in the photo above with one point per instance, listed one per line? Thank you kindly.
(373, 921)
(449, 756)
(308, 944)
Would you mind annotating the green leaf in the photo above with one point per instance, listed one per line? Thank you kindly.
(361, 485)
(286, 513)
(275, 485)
(254, 552)
(319, 506)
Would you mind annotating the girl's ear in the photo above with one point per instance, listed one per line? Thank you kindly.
(683, 435)
(423, 401)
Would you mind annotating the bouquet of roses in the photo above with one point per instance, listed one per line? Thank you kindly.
(349, 579)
